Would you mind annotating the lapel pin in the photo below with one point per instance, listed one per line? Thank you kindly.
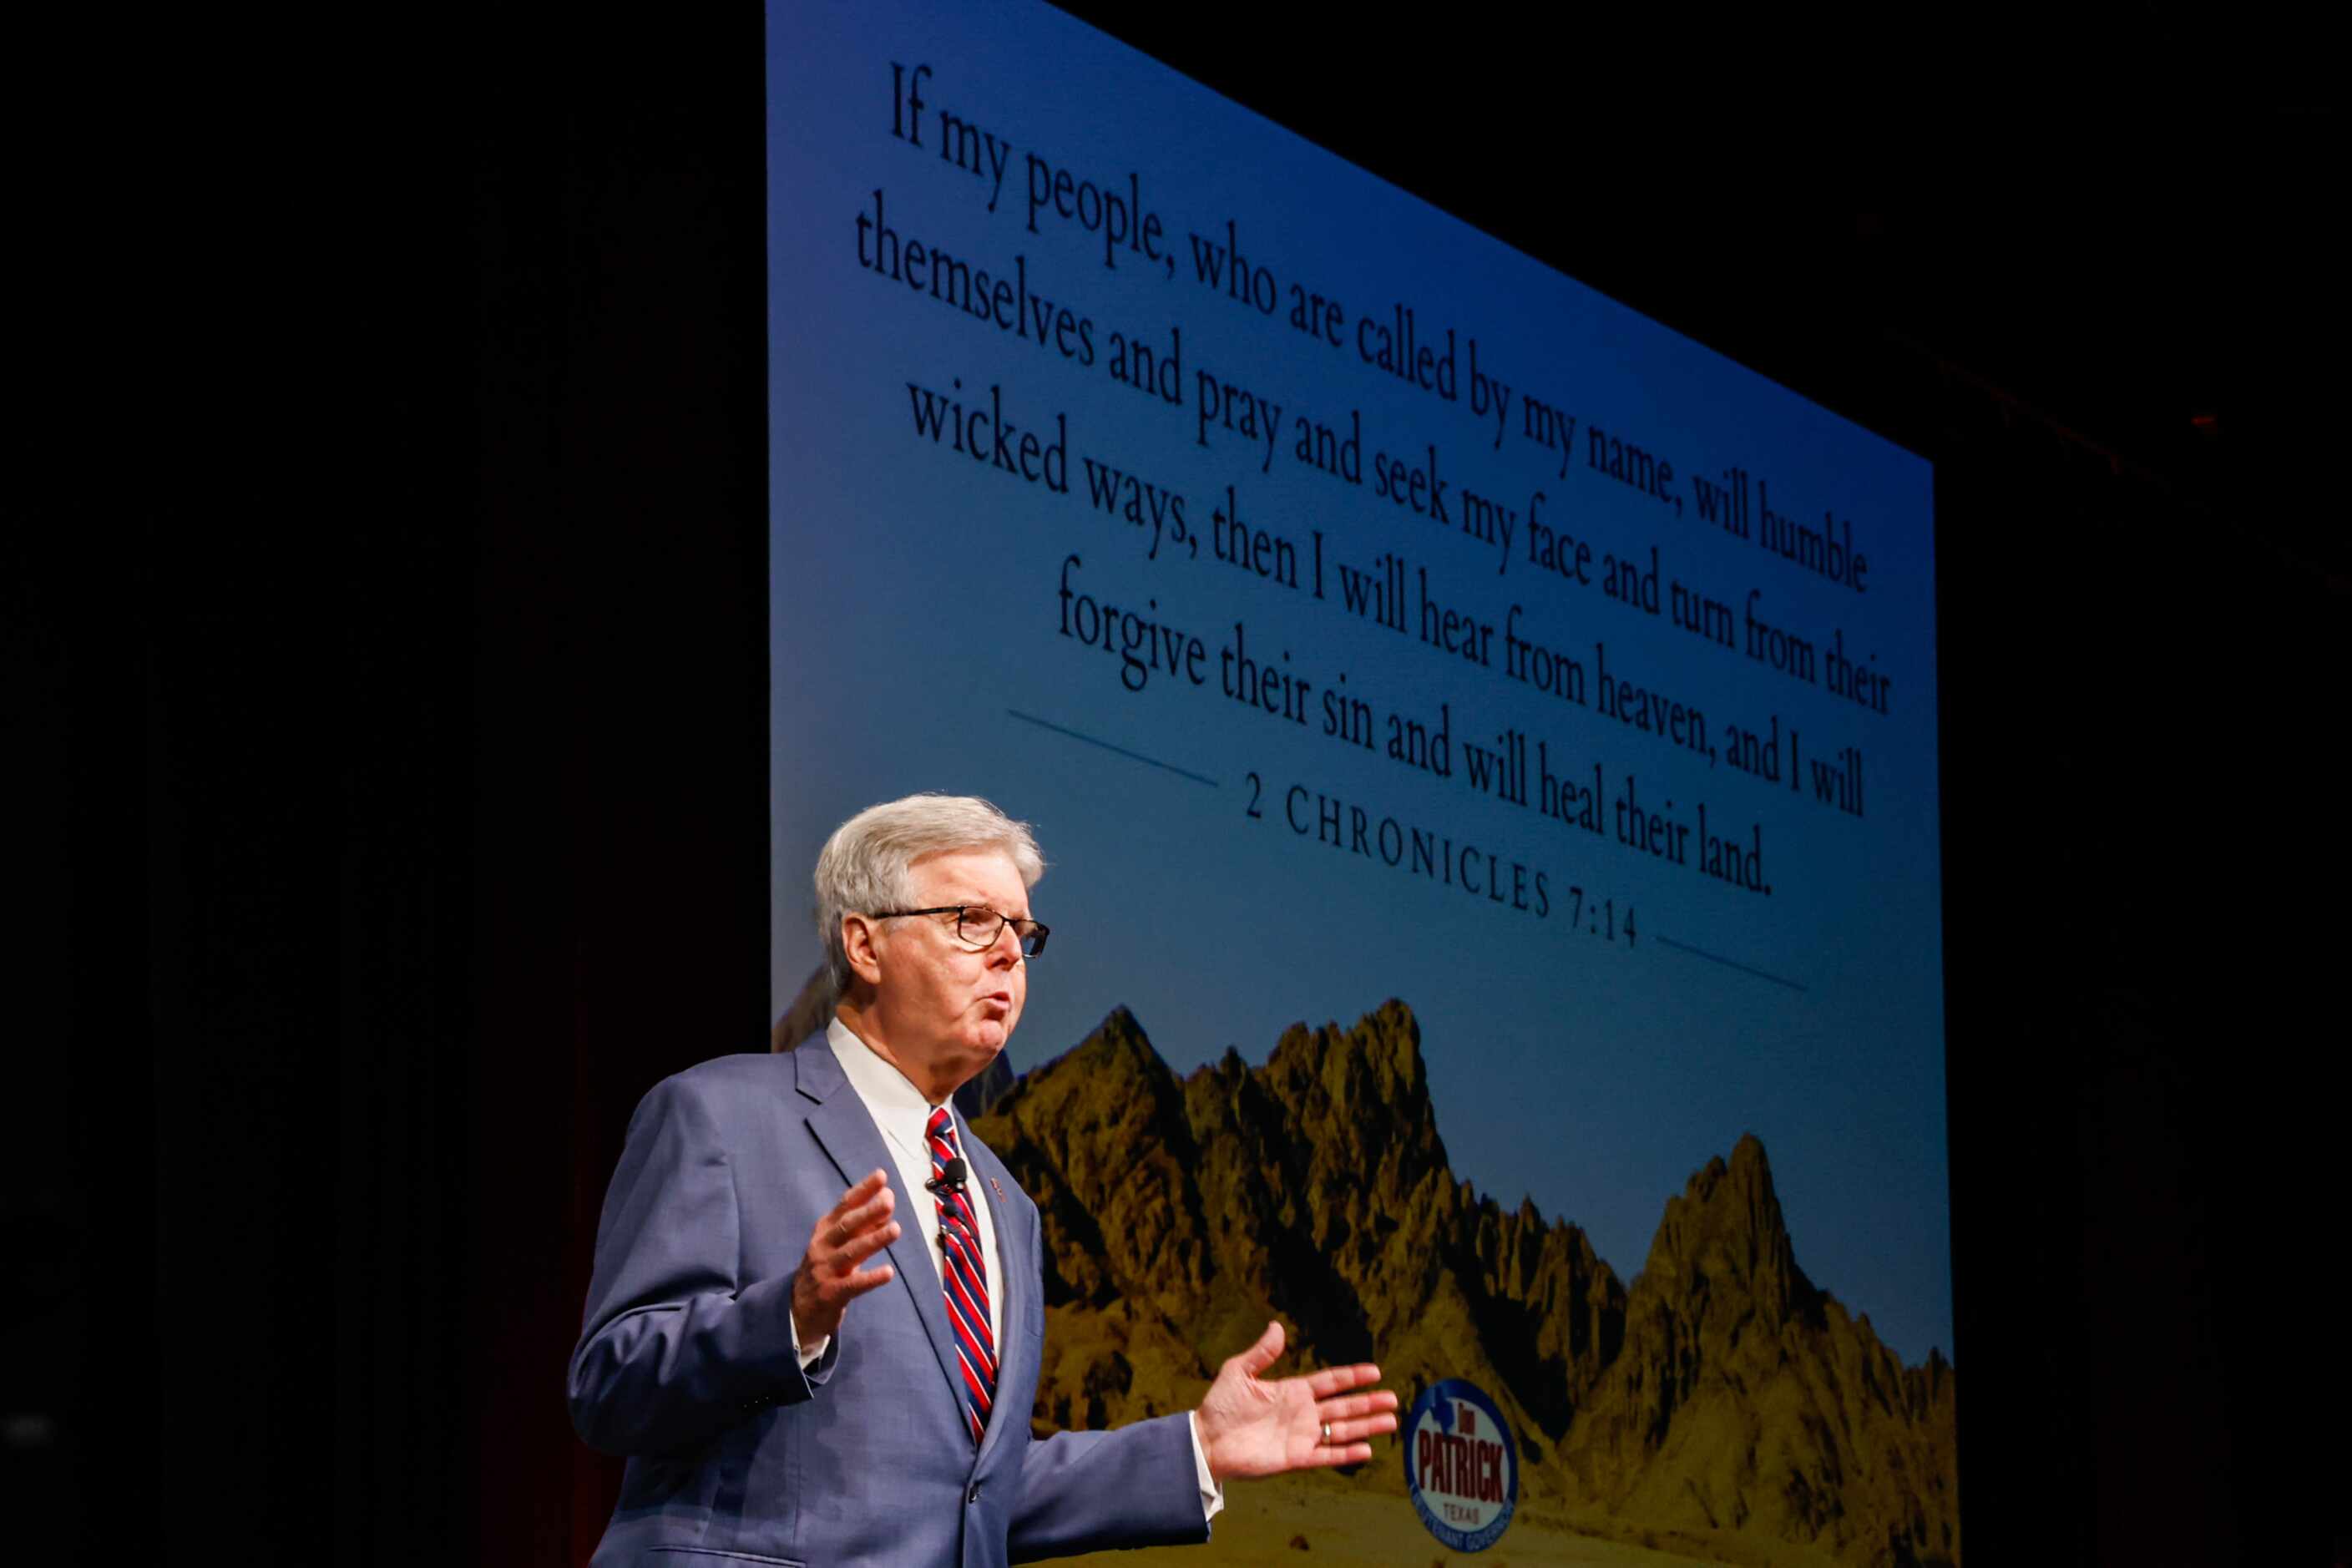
(997, 1190)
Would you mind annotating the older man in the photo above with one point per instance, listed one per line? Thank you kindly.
(816, 1321)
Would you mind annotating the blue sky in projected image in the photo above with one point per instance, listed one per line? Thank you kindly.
(1592, 1077)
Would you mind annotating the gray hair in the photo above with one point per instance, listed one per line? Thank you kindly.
(863, 866)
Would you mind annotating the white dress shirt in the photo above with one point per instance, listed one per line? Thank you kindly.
(901, 1112)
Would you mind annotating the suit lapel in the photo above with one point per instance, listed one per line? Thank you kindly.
(1018, 1274)
(845, 1131)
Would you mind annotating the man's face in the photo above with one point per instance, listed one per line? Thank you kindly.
(946, 1006)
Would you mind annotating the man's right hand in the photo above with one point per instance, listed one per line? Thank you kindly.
(829, 1278)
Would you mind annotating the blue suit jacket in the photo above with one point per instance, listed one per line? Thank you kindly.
(685, 1362)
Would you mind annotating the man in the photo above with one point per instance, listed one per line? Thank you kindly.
(815, 1322)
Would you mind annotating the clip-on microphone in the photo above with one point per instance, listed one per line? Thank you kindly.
(949, 1180)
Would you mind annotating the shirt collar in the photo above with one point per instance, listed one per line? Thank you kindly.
(897, 1106)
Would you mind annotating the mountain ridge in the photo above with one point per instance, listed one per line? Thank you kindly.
(1723, 1396)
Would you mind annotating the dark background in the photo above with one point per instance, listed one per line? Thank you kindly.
(387, 722)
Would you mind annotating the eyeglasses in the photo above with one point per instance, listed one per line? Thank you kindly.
(979, 926)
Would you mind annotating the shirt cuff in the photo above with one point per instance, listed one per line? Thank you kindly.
(1212, 1494)
(811, 1354)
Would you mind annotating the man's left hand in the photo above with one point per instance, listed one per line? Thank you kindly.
(1253, 1426)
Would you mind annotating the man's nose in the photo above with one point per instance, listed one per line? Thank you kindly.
(1006, 949)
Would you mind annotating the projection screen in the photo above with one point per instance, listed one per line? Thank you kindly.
(1485, 747)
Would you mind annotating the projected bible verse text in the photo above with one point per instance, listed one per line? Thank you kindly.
(1498, 587)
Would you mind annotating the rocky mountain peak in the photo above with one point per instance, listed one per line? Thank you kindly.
(1375, 1063)
(1113, 1083)
(1360, 1099)
(1100, 1138)
(1724, 1239)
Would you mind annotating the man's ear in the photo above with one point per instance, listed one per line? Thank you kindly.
(857, 941)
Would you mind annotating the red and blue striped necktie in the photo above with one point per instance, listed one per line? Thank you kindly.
(964, 1276)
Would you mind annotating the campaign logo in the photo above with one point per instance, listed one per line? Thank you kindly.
(1460, 1466)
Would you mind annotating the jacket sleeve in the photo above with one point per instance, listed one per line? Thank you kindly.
(675, 1346)
(1085, 1492)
